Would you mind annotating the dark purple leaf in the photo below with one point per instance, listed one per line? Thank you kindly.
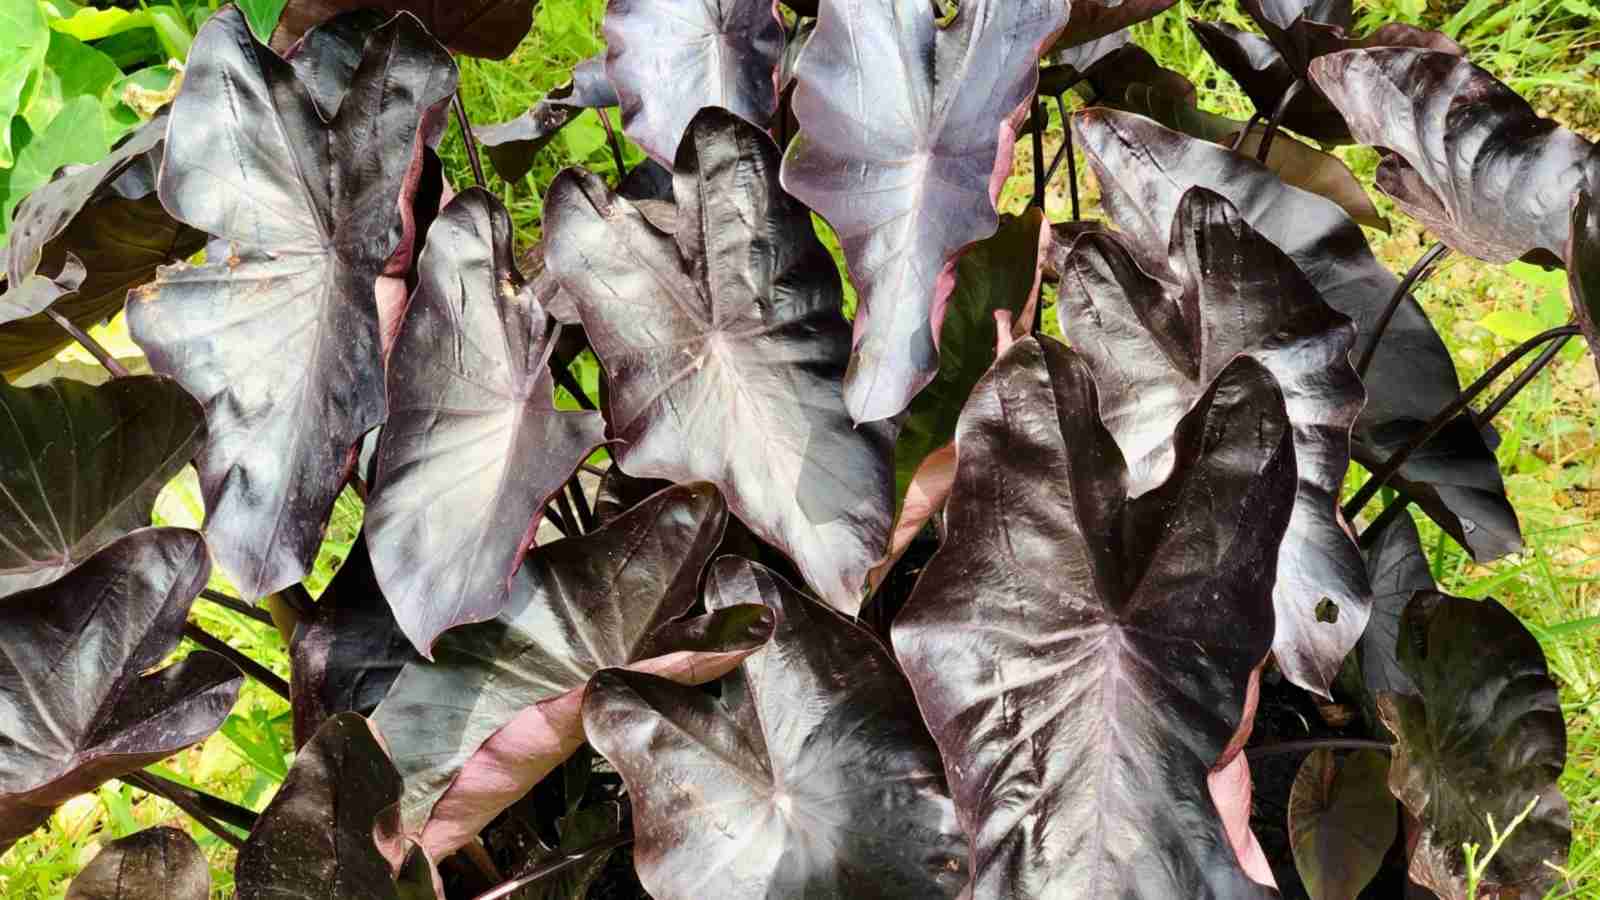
(101, 231)
(1398, 569)
(1583, 268)
(473, 437)
(498, 709)
(669, 58)
(81, 699)
(318, 837)
(490, 28)
(1066, 67)
(1110, 78)
(81, 466)
(1155, 347)
(724, 346)
(906, 135)
(279, 339)
(154, 864)
(1467, 156)
(1093, 20)
(1485, 737)
(1084, 660)
(1144, 169)
(811, 776)
(512, 146)
(1342, 821)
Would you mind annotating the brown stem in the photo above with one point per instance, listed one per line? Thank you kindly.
(1244, 133)
(614, 141)
(238, 606)
(565, 379)
(1277, 119)
(1418, 271)
(468, 138)
(117, 369)
(1039, 120)
(560, 865)
(200, 806)
(248, 666)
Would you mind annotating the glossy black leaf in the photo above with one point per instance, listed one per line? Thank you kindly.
(1466, 155)
(1144, 169)
(498, 709)
(1484, 737)
(81, 466)
(490, 28)
(279, 339)
(1398, 569)
(1263, 74)
(473, 438)
(1155, 348)
(669, 58)
(811, 775)
(1583, 268)
(318, 837)
(154, 864)
(512, 146)
(724, 346)
(81, 698)
(1084, 660)
(1342, 821)
(906, 135)
(1094, 20)
(101, 231)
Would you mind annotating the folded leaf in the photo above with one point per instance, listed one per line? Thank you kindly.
(1583, 268)
(906, 136)
(810, 776)
(279, 339)
(724, 345)
(1342, 821)
(154, 864)
(512, 146)
(490, 28)
(1084, 660)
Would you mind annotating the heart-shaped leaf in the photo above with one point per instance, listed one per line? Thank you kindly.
(811, 776)
(473, 436)
(498, 709)
(669, 58)
(318, 836)
(154, 864)
(81, 466)
(279, 339)
(1094, 20)
(1145, 169)
(490, 28)
(1085, 660)
(1583, 268)
(77, 707)
(906, 135)
(1156, 347)
(1467, 156)
(1398, 569)
(1485, 737)
(513, 145)
(1342, 821)
(103, 221)
(724, 345)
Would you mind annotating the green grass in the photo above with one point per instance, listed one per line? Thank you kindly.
(1549, 453)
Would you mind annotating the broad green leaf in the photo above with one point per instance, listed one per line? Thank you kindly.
(77, 135)
(172, 30)
(90, 24)
(72, 69)
(262, 15)
(1511, 324)
(27, 38)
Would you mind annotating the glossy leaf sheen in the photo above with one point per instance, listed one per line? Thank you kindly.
(1485, 737)
(1398, 569)
(474, 446)
(490, 28)
(1065, 638)
(154, 864)
(498, 708)
(1583, 268)
(906, 135)
(811, 776)
(512, 146)
(1156, 347)
(279, 340)
(81, 466)
(724, 345)
(81, 699)
(1342, 821)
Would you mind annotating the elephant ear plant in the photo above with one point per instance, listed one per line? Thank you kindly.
(899, 598)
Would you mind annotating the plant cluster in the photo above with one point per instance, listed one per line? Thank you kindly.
(924, 602)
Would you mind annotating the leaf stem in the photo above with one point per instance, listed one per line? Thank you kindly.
(558, 866)
(238, 606)
(297, 598)
(1039, 176)
(268, 678)
(1383, 473)
(200, 806)
(117, 369)
(585, 514)
(614, 141)
(1072, 157)
(566, 511)
(1307, 746)
(1419, 270)
(1244, 133)
(468, 138)
(1277, 119)
(554, 515)
(565, 379)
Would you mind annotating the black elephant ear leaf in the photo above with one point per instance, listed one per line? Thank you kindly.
(1467, 156)
(1042, 637)
(1264, 75)
(1093, 21)
(512, 146)
(906, 134)
(669, 58)
(1583, 267)
(473, 436)
(319, 835)
(489, 28)
(154, 864)
(724, 344)
(1145, 169)
(1155, 348)
(811, 776)
(279, 339)
(81, 466)
(1342, 821)
(499, 708)
(117, 616)
(1398, 569)
(1484, 737)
